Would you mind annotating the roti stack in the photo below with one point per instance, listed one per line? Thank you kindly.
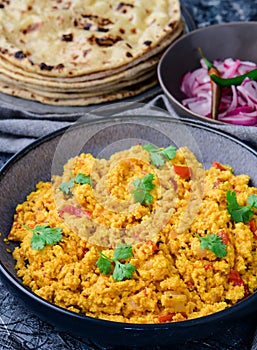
(82, 52)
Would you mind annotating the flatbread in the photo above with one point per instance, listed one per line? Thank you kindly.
(81, 101)
(82, 52)
(87, 91)
(57, 84)
(63, 38)
(8, 67)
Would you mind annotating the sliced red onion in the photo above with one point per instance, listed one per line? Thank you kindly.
(238, 104)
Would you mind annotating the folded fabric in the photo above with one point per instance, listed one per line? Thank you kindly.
(17, 132)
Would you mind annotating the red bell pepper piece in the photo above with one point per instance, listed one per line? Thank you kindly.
(183, 171)
(219, 166)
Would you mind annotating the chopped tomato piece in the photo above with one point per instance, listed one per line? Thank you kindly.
(235, 278)
(253, 227)
(219, 166)
(153, 245)
(247, 292)
(166, 318)
(190, 284)
(252, 224)
(208, 267)
(224, 236)
(78, 212)
(183, 171)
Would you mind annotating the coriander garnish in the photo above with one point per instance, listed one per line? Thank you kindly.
(214, 243)
(66, 186)
(143, 188)
(158, 155)
(121, 270)
(80, 178)
(238, 212)
(43, 235)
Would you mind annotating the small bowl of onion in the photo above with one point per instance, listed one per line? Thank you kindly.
(187, 68)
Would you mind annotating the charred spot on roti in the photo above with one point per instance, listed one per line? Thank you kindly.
(3, 51)
(44, 66)
(20, 55)
(172, 24)
(67, 37)
(103, 30)
(85, 52)
(123, 7)
(105, 41)
(31, 28)
(93, 22)
(59, 66)
(147, 43)
(97, 19)
(87, 26)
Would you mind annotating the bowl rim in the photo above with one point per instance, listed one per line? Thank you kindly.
(217, 316)
(176, 42)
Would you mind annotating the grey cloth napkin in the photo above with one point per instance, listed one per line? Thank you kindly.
(19, 129)
(15, 134)
(18, 132)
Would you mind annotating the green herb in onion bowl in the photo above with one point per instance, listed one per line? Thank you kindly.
(238, 83)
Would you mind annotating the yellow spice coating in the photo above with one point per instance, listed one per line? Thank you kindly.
(175, 279)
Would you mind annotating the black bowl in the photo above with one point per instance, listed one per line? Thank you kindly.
(218, 42)
(103, 137)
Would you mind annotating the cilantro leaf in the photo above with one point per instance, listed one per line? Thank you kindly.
(214, 243)
(157, 155)
(156, 159)
(252, 200)
(169, 152)
(66, 186)
(80, 178)
(123, 251)
(151, 148)
(43, 235)
(143, 188)
(83, 179)
(239, 213)
(104, 264)
(121, 271)
(147, 182)
(36, 242)
(148, 198)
